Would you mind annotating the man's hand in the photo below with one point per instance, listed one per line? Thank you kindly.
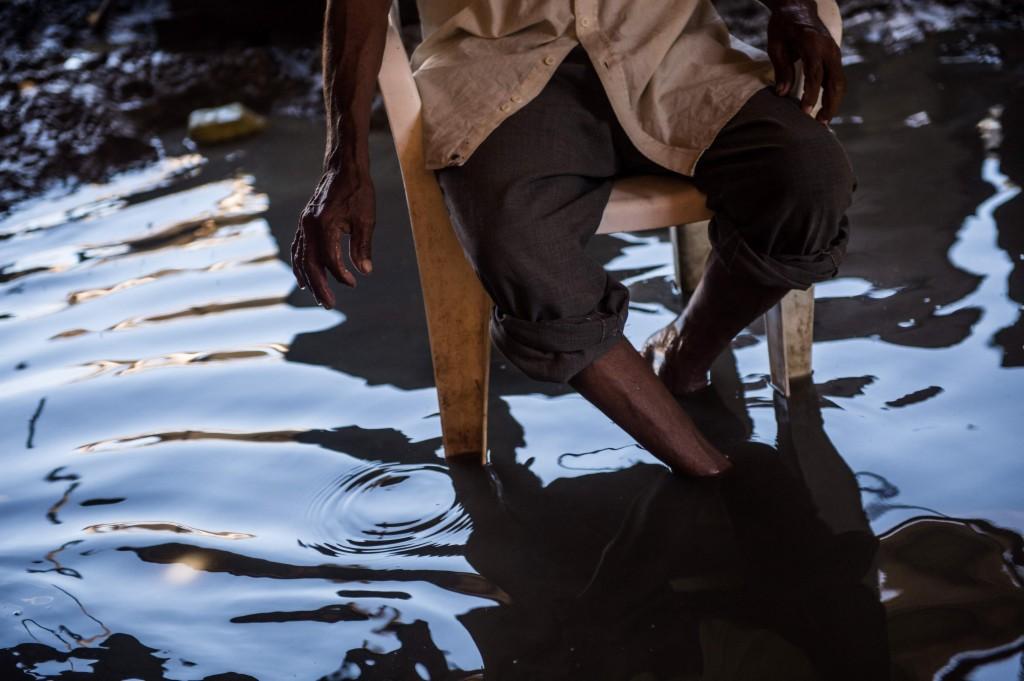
(343, 203)
(796, 32)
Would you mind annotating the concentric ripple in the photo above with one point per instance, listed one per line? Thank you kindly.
(390, 508)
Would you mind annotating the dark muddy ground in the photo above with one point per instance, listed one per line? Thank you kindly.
(83, 95)
(84, 102)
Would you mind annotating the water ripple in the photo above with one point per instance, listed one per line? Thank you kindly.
(396, 509)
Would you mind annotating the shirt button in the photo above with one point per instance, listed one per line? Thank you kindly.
(584, 22)
(516, 98)
(549, 60)
(505, 106)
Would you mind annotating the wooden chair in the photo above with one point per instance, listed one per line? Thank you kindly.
(458, 308)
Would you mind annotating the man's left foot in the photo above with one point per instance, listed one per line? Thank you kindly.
(680, 374)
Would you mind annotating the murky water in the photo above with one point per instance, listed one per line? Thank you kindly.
(207, 477)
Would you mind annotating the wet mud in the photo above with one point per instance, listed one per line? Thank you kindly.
(81, 100)
(87, 87)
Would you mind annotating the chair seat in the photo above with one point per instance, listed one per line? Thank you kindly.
(641, 202)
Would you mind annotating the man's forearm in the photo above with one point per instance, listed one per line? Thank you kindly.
(353, 46)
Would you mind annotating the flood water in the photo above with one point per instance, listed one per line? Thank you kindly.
(207, 477)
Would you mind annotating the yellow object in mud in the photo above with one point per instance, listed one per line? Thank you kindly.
(223, 123)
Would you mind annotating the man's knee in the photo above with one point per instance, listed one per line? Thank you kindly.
(811, 178)
(789, 225)
(809, 187)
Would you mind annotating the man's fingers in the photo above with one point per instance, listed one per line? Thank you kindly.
(359, 246)
(813, 75)
(829, 102)
(783, 65)
(296, 265)
(317, 277)
(304, 278)
(835, 89)
(332, 246)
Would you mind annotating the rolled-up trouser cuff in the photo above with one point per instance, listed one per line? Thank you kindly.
(556, 350)
(797, 270)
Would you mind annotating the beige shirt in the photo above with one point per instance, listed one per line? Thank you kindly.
(671, 70)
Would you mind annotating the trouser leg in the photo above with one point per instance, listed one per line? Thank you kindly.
(779, 184)
(524, 205)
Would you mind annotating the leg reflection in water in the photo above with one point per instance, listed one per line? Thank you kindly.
(769, 589)
(740, 578)
(642, 574)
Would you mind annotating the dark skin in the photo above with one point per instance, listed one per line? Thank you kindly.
(620, 383)
(795, 32)
(343, 202)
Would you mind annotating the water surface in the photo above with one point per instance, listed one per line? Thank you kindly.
(205, 476)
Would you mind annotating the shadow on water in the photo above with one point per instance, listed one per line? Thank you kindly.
(620, 574)
(207, 477)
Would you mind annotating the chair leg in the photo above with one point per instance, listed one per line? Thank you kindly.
(456, 304)
(790, 328)
(690, 250)
(458, 314)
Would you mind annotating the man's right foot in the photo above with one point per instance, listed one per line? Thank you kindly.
(622, 386)
(711, 464)
(715, 420)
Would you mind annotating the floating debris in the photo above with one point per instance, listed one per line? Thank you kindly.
(224, 123)
(991, 129)
(918, 120)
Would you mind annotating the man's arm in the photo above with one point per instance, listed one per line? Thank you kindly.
(343, 201)
(796, 32)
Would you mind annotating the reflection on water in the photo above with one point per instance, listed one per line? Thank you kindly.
(206, 477)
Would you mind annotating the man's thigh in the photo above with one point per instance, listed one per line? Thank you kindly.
(524, 205)
(528, 198)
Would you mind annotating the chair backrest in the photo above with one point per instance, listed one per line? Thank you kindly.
(402, 99)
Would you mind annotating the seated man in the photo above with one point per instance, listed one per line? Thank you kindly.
(531, 110)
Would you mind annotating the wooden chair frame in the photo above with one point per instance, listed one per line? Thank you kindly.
(458, 308)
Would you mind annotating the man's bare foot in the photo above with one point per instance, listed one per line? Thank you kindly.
(621, 385)
(720, 307)
(716, 421)
(665, 352)
(718, 464)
